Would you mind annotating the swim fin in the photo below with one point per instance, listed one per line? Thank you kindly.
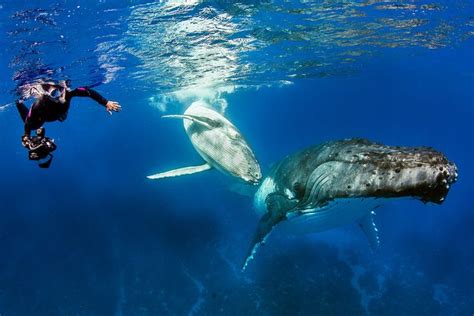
(47, 163)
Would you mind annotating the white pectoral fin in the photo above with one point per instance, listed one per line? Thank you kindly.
(191, 118)
(180, 172)
(367, 225)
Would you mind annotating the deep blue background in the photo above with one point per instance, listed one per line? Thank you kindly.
(93, 236)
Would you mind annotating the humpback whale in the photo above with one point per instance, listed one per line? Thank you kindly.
(219, 143)
(339, 182)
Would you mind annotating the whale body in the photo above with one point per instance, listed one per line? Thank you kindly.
(339, 182)
(219, 143)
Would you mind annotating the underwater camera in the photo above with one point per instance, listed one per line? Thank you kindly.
(40, 148)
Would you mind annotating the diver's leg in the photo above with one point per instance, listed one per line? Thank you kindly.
(22, 109)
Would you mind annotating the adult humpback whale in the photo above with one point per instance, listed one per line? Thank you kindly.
(340, 182)
(219, 143)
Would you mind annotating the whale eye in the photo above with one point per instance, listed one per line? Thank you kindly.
(298, 189)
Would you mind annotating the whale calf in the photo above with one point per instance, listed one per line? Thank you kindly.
(339, 182)
(219, 143)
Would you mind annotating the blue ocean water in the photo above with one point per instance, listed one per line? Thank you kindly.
(92, 236)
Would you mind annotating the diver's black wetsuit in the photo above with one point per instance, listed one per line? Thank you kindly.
(47, 109)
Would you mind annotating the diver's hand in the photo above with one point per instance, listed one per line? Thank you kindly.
(25, 141)
(113, 106)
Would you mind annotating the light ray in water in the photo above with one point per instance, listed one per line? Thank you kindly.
(203, 50)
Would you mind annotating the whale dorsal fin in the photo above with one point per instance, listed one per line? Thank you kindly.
(204, 121)
(180, 172)
(367, 225)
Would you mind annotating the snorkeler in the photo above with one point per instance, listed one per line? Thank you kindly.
(51, 104)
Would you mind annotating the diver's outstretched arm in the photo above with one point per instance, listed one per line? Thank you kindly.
(94, 95)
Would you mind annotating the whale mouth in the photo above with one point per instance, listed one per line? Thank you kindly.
(446, 177)
(257, 179)
(252, 180)
(253, 176)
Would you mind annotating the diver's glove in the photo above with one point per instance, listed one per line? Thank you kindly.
(25, 141)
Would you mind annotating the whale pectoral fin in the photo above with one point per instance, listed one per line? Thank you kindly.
(367, 225)
(196, 119)
(277, 207)
(264, 227)
(180, 172)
